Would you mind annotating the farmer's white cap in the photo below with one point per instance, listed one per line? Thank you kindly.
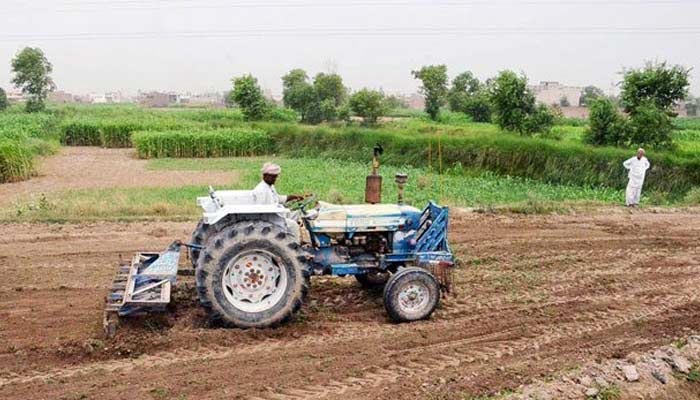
(271, 169)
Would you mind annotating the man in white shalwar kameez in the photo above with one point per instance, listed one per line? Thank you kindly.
(265, 193)
(637, 166)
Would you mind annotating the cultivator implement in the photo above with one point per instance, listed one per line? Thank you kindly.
(141, 286)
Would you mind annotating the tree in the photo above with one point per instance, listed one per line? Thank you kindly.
(434, 88)
(249, 97)
(650, 125)
(514, 105)
(606, 126)
(297, 91)
(331, 94)
(322, 100)
(589, 94)
(468, 95)
(656, 83)
(32, 74)
(368, 104)
(464, 86)
(3, 100)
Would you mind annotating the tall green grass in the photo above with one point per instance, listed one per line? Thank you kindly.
(16, 161)
(22, 138)
(558, 162)
(211, 143)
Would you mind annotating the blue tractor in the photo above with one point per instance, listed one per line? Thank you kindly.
(252, 263)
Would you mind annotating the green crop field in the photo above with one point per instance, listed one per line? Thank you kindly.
(482, 166)
(331, 180)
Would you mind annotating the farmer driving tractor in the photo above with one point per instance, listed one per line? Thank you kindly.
(265, 192)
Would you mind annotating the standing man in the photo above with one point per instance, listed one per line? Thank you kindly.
(637, 167)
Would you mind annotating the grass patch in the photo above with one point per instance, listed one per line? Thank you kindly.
(332, 180)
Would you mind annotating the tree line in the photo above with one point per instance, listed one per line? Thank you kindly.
(642, 115)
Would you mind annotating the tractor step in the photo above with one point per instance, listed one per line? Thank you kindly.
(142, 286)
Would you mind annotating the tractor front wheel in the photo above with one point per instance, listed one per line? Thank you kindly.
(411, 294)
(252, 275)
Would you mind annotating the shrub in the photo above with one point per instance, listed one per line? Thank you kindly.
(514, 105)
(214, 143)
(280, 114)
(3, 100)
(434, 87)
(650, 126)
(368, 104)
(248, 96)
(606, 125)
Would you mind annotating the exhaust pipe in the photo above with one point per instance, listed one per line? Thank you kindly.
(373, 184)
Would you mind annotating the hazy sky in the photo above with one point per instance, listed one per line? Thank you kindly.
(188, 45)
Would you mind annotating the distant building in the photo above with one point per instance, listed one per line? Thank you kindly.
(157, 99)
(554, 93)
(415, 101)
(60, 97)
(14, 96)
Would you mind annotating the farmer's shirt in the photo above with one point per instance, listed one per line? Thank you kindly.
(266, 194)
(637, 170)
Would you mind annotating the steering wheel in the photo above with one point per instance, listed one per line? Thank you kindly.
(303, 204)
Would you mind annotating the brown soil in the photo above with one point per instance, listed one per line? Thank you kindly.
(94, 167)
(536, 295)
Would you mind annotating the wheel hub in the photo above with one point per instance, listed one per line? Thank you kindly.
(414, 296)
(254, 281)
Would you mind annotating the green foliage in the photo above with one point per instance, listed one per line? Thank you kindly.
(329, 87)
(249, 97)
(22, 137)
(368, 104)
(556, 162)
(434, 87)
(657, 84)
(32, 74)
(281, 114)
(589, 94)
(214, 143)
(16, 161)
(394, 102)
(317, 102)
(514, 105)
(469, 96)
(606, 125)
(650, 126)
(3, 100)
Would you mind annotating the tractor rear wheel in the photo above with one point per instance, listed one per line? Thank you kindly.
(252, 275)
(411, 294)
(199, 237)
(373, 280)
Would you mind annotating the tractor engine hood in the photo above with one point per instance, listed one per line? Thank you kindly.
(363, 217)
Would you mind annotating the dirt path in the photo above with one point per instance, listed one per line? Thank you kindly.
(94, 167)
(536, 295)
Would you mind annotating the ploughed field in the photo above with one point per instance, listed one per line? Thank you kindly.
(535, 295)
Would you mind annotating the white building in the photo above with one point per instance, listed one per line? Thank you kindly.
(554, 93)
